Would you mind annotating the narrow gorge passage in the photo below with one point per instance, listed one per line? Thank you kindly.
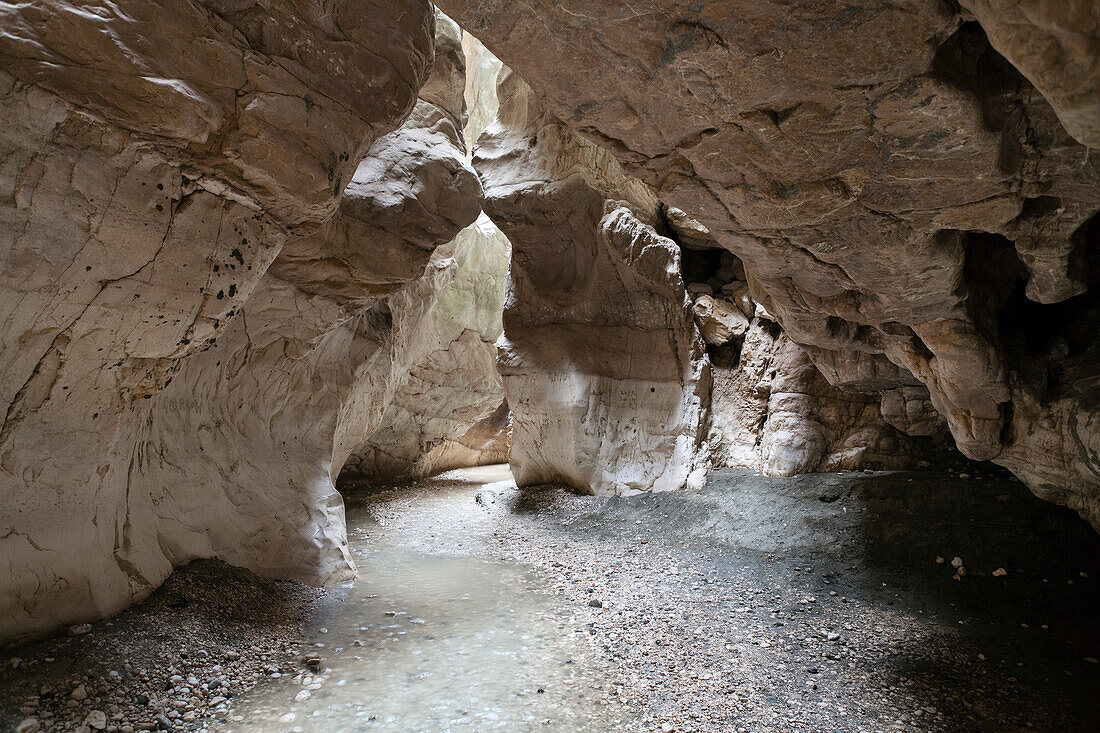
(824, 602)
(635, 365)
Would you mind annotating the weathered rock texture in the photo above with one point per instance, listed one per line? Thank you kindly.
(600, 356)
(482, 68)
(167, 396)
(770, 408)
(433, 389)
(873, 167)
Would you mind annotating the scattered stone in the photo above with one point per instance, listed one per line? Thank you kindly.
(28, 725)
(595, 603)
(96, 719)
(79, 629)
(999, 572)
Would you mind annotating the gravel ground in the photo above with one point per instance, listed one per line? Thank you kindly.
(175, 661)
(858, 602)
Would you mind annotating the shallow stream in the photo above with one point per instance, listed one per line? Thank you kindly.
(438, 633)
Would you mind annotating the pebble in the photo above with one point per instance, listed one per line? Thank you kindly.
(999, 572)
(79, 693)
(29, 725)
(96, 719)
(303, 696)
(79, 629)
(595, 603)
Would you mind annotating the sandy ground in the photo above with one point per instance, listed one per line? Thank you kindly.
(822, 602)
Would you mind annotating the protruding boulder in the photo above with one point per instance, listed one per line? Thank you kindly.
(719, 320)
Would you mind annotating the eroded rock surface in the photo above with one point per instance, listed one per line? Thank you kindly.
(770, 408)
(865, 163)
(433, 391)
(600, 356)
(165, 398)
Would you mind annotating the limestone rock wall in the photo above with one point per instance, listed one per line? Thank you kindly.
(240, 453)
(600, 356)
(870, 166)
(433, 388)
(166, 396)
(771, 409)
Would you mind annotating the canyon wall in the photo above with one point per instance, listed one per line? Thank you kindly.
(240, 253)
(770, 407)
(435, 380)
(581, 318)
(907, 205)
(600, 357)
(207, 204)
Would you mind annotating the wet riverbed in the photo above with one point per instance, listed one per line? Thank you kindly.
(437, 633)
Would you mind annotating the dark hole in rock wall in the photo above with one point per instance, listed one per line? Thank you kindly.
(727, 355)
(1045, 343)
(967, 61)
(720, 274)
(1041, 343)
(699, 265)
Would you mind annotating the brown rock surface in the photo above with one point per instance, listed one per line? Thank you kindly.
(863, 162)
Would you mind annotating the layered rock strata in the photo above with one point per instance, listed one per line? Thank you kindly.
(600, 356)
(168, 396)
(906, 204)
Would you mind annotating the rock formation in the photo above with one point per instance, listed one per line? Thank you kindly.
(770, 408)
(873, 167)
(436, 378)
(168, 395)
(796, 237)
(600, 356)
